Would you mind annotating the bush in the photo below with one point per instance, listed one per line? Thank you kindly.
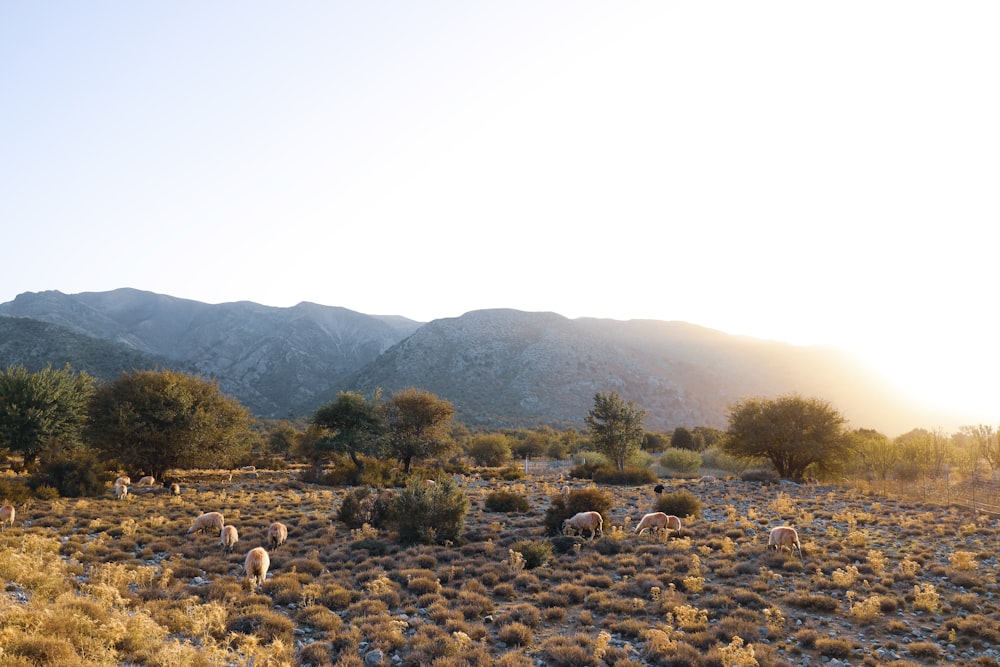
(679, 503)
(760, 475)
(629, 476)
(715, 458)
(429, 513)
(72, 477)
(13, 492)
(535, 552)
(491, 449)
(580, 500)
(361, 507)
(681, 460)
(507, 501)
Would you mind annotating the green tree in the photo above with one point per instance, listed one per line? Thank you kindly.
(417, 423)
(354, 426)
(791, 432)
(47, 408)
(682, 438)
(281, 437)
(490, 449)
(615, 427)
(152, 421)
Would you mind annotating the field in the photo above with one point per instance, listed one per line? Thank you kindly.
(881, 582)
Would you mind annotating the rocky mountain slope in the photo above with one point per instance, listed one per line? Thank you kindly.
(498, 367)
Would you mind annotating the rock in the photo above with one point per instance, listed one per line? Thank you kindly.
(373, 658)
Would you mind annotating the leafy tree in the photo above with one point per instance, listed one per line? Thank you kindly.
(654, 442)
(878, 454)
(152, 421)
(706, 436)
(987, 443)
(683, 439)
(615, 427)
(282, 437)
(417, 423)
(354, 426)
(47, 408)
(490, 449)
(791, 432)
(926, 453)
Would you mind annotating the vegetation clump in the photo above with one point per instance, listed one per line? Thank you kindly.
(507, 501)
(679, 503)
(429, 513)
(578, 500)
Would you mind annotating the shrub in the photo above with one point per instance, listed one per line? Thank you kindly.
(630, 476)
(491, 449)
(429, 513)
(536, 552)
(680, 460)
(507, 501)
(361, 507)
(679, 503)
(72, 477)
(13, 492)
(715, 458)
(579, 500)
(760, 475)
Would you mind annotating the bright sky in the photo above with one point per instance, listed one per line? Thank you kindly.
(817, 173)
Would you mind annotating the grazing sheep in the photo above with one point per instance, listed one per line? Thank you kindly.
(277, 534)
(256, 566)
(658, 489)
(784, 537)
(707, 479)
(581, 521)
(175, 489)
(124, 479)
(6, 516)
(658, 520)
(249, 468)
(207, 521)
(146, 481)
(228, 538)
(121, 491)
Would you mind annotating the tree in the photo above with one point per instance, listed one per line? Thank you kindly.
(490, 449)
(878, 454)
(615, 427)
(152, 421)
(791, 432)
(682, 438)
(41, 409)
(987, 443)
(417, 423)
(354, 426)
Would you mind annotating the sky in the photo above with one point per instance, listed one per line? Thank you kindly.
(814, 173)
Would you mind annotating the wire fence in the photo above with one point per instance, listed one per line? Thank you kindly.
(980, 493)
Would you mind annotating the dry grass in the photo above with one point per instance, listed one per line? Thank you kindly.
(98, 582)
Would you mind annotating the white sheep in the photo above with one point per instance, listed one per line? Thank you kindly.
(249, 468)
(6, 516)
(208, 521)
(228, 537)
(124, 479)
(175, 489)
(783, 537)
(121, 490)
(581, 521)
(146, 481)
(255, 566)
(277, 534)
(658, 520)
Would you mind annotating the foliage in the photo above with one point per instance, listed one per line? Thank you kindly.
(716, 459)
(507, 501)
(353, 426)
(791, 432)
(13, 491)
(535, 552)
(633, 476)
(490, 449)
(417, 423)
(72, 476)
(681, 460)
(764, 475)
(429, 513)
(281, 437)
(679, 503)
(615, 427)
(577, 500)
(43, 408)
(152, 421)
(362, 506)
(682, 438)
(654, 442)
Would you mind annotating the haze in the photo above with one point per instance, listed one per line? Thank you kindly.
(817, 173)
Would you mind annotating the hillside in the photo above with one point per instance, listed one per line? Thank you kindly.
(498, 367)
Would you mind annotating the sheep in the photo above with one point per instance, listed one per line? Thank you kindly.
(277, 534)
(592, 521)
(784, 537)
(228, 538)
(658, 489)
(7, 516)
(658, 520)
(255, 566)
(121, 491)
(175, 489)
(207, 521)
(249, 468)
(123, 480)
(146, 481)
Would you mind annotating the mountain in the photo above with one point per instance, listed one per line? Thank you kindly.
(275, 360)
(498, 367)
